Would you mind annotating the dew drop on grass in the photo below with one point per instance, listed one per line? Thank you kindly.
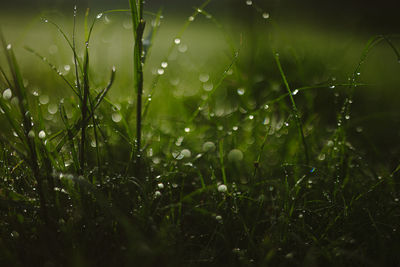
(187, 130)
(251, 117)
(31, 134)
(241, 91)
(42, 134)
(7, 94)
(191, 18)
(186, 153)
(106, 20)
(116, 117)
(208, 146)
(160, 71)
(164, 64)
(295, 92)
(347, 117)
(9, 46)
(265, 15)
(157, 194)
(222, 188)
(235, 128)
(218, 218)
(44, 99)
(67, 68)
(332, 87)
(204, 77)
(52, 109)
(266, 121)
(235, 155)
(266, 107)
(321, 157)
(249, 2)
(208, 86)
(160, 186)
(182, 48)
(99, 16)
(93, 143)
(177, 41)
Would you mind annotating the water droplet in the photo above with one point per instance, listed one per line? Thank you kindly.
(44, 99)
(160, 186)
(208, 86)
(182, 48)
(14, 234)
(191, 18)
(332, 87)
(116, 117)
(187, 129)
(93, 143)
(31, 134)
(249, 2)
(265, 15)
(266, 107)
(7, 94)
(358, 73)
(251, 117)
(289, 255)
(52, 109)
(164, 64)
(321, 157)
(208, 146)
(235, 128)
(42, 134)
(204, 77)
(222, 188)
(396, 200)
(186, 153)
(106, 19)
(9, 46)
(301, 216)
(347, 117)
(295, 92)
(160, 71)
(177, 41)
(157, 194)
(235, 155)
(99, 16)
(241, 91)
(359, 129)
(218, 218)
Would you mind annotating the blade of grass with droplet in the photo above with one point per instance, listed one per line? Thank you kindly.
(294, 107)
(170, 50)
(54, 68)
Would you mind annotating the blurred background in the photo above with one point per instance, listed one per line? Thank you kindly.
(319, 42)
(364, 16)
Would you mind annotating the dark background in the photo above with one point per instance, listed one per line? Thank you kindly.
(365, 16)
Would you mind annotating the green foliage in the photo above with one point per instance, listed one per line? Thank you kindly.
(265, 165)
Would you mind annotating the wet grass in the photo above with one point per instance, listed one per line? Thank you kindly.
(265, 147)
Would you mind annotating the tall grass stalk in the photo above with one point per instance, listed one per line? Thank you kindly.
(294, 107)
(138, 22)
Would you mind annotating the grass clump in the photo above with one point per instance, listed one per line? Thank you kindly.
(267, 165)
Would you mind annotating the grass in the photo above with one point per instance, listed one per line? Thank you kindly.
(233, 155)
